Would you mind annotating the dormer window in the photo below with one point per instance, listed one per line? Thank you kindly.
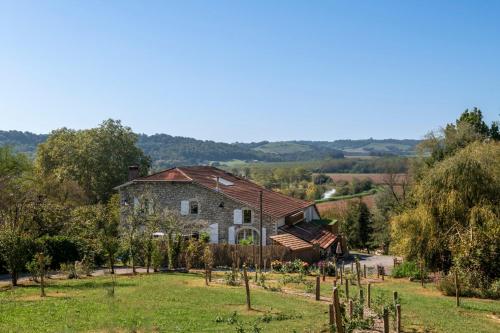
(223, 181)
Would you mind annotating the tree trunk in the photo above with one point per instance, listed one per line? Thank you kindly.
(132, 261)
(13, 277)
(42, 283)
(111, 265)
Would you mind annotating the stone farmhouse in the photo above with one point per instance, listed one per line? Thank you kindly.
(231, 206)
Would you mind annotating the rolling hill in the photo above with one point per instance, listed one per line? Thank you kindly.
(166, 150)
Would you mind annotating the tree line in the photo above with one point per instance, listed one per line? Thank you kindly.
(448, 216)
(61, 208)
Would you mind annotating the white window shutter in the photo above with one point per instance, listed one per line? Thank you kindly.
(231, 235)
(238, 216)
(184, 207)
(264, 236)
(214, 233)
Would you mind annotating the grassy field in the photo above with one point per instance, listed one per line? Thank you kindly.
(182, 303)
(157, 303)
(427, 310)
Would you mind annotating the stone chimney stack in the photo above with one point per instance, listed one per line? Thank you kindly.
(217, 184)
(133, 172)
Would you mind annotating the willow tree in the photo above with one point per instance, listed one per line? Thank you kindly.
(454, 215)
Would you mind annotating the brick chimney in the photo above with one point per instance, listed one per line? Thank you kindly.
(133, 172)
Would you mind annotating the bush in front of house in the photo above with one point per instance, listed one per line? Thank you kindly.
(327, 266)
(276, 265)
(296, 266)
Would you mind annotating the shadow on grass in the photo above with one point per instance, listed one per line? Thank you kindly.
(79, 285)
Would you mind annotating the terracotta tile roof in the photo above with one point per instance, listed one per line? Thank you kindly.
(173, 175)
(291, 242)
(275, 204)
(311, 233)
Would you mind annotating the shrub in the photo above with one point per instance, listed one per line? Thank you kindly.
(62, 249)
(231, 278)
(407, 269)
(308, 286)
(468, 286)
(70, 270)
(286, 279)
(276, 265)
(296, 266)
(494, 290)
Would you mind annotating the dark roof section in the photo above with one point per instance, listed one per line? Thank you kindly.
(291, 242)
(311, 233)
(275, 204)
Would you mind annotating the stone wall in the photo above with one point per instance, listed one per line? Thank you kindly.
(170, 194)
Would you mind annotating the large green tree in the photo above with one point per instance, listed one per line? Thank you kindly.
(357, 225)
(468, 128)
(454, 215)
(96, 159)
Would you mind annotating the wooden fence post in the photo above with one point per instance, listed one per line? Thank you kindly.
(209, 274)
(364, 271)
(341, 276)
(358, 273)
(351, 306)
(336, 310)
(395, 297)
(247, 287)
(386, 320)
(361, 301)
(383, 273)
(334, 283)
(398, 318)
(457, 288)
(331, 313)
(346, 289)
(317, 288)
(369, 296)
(206, 275)
(378, 272)
(421, 273)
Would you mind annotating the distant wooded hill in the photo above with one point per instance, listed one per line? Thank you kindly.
(166, 150)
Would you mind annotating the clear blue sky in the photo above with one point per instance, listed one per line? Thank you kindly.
(249, 70)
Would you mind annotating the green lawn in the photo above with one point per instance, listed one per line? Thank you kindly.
(158, 303)
(427, 310)
(182, 303)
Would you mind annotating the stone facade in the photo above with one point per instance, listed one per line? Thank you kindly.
(215, 208)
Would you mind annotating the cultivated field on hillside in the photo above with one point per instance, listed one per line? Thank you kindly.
(376, 178)
(341, 205)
